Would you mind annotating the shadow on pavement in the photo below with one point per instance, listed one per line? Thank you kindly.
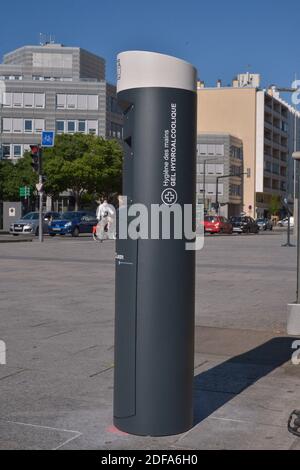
(217, 386)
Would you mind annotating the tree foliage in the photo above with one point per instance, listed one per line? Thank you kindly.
(274, 205)
(83, 164)
(86, 165)
(13, 176)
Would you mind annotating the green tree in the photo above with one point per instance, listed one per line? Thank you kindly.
(82, 164)
(274, 205)
(13, 176)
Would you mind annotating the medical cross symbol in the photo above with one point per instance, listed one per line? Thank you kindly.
(169, 197)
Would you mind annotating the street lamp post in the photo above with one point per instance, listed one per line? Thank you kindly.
(211, 160)
(217, 190)
(248, 173)
(296, 156)
(286, 205)
(204, 184)
(293, 323)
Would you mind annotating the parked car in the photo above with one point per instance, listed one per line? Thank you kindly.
(284, 222)
(73, 223)
(29, 223)
(216, 224)
(264, 224)
(244, 224)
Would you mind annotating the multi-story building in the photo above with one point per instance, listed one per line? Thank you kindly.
(264, 124)
(53, 87)
(220, 156)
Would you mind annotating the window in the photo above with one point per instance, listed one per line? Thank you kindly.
(18, 125)
(92, 101)
(39, 125)
(116, 130)
(220, 189)
(200, 168)
(211, 169)
(82, 101)
(71, 127)
(237, 152)
(17, 100)
(61, 101)
(28, 100)
(119, 130)
(6, 125)
(39, 100)
(199, 188)
(5, 151)
(202, 149)
(7, 99)
(28, 125)
(114, 108)
(14, 77)
(235, 190)
(268, 166)
(275, 168)
(211, 149)
(112, 129)
(220, 150)
(60, 127)
(235, 170)
(17, 150)
(220, 169)
(81, 126)
(211, 189)
(283, 186)
(71, 101)
(92, 127)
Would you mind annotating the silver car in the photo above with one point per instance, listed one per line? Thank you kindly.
(29, 224)
(264, 224)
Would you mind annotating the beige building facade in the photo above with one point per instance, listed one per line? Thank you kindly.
(263, 123)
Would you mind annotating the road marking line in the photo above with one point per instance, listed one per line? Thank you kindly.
(68, 440)
(49, 428)
(228, 419)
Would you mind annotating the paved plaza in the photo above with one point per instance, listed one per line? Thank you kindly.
(57, 320)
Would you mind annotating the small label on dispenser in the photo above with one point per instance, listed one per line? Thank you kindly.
(169, 180)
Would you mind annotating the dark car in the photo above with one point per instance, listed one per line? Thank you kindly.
(244, 224)
(264, 224)
(216, 224)
(29, 223)
(73, 223)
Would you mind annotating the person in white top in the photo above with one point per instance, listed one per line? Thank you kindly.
(105, 215)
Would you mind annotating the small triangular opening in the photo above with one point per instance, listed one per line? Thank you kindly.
(128, 141)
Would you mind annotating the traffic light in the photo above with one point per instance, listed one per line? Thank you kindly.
(36, 158)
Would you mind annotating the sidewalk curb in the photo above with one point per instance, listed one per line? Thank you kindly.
(15, 241)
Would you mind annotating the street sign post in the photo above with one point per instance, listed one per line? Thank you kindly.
(48, 139)
(25, 191)
(39, 187)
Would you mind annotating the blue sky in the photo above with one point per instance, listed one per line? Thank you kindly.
(221, 38)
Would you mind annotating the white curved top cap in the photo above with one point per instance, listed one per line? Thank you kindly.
(141, 69)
